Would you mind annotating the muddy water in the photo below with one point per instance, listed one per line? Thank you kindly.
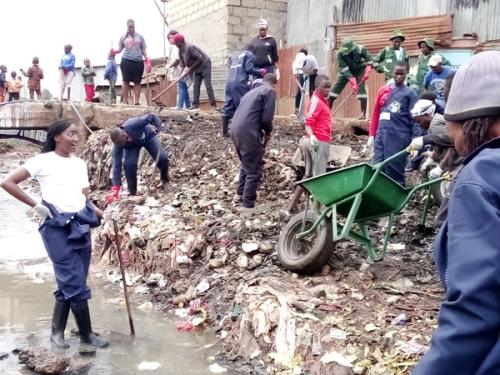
(26, 285)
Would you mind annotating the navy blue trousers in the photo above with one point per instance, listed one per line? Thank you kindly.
(153, 147)
(250, 153)
(390, 140)
(67, 240)
(234, 93)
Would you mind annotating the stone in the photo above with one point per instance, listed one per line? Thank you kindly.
(43, 361)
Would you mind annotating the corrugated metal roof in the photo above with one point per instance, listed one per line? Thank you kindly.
(375, 35)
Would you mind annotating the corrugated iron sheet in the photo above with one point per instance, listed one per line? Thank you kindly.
(286, 84)
(375, 35)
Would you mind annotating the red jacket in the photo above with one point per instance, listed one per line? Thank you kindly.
(319, 118)
(382, 96)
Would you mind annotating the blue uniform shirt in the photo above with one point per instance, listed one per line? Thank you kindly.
(139, 129)
(467, 254)
(241, 67)
(435, 83)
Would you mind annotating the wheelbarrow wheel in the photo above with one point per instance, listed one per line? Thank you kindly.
(307, 255)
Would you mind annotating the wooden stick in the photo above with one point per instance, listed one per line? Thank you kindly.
(166, 89)
(80, 117)
(124, 281)
(342, 103)
(163, 15)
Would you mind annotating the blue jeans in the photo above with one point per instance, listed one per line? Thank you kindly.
(183, 101)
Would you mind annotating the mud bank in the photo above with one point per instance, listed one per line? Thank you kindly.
(189, 251)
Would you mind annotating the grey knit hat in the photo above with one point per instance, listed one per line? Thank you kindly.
(475, 91)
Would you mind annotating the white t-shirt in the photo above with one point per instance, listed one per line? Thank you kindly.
(298, 63)
(61, 180)
(310, 65)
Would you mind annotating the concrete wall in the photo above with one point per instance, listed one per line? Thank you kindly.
(204, 23)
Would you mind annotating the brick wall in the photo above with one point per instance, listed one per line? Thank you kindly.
(204, 23)
(244, 15)
(219, 27)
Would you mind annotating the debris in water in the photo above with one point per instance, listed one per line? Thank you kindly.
(215, 368)
(148, 366)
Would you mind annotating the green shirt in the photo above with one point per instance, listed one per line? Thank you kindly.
(422, 69)
(387, 58)
(88, 77)
(354, 63)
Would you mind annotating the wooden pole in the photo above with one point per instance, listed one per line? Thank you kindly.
(124, 281)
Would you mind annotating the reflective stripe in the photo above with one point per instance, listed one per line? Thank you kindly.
(346, 69)
(362, 96)
(312, 106)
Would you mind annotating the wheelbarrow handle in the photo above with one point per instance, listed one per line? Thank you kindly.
(380, 165)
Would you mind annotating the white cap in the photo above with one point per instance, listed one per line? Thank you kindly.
(262, 23)
(423, 107)
(435, 60)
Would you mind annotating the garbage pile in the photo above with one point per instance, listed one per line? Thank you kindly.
(188, 247)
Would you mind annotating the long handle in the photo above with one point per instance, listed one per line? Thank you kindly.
(124, 281)
(80, 117)
(166, 88)
(342, 103)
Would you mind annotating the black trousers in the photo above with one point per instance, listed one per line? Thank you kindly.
(249, 150)
(204, 75)
(299, 93)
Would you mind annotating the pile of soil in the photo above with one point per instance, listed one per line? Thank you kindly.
(200, 260)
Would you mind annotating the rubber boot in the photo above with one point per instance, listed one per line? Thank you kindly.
(363, 102)
(132, 185)
(59, 320)
(225, 126)
(82, 317)
(164, 176)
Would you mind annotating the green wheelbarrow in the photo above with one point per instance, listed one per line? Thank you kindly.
(351, 198)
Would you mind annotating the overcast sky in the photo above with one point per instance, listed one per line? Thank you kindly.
(42, 28)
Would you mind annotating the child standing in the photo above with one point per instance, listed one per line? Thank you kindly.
(392, 127)
(35, 75)
(466, 249)
(318, 134)
(3, 82)
(88, 75)
(14, 87)
(111, 74)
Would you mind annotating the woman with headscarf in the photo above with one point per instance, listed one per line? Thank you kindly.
(67, 216)
(467, 250)
(133, 46)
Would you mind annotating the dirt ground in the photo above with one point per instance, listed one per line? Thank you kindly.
(188, 248)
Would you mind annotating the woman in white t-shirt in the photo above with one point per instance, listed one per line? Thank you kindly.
(67, 216)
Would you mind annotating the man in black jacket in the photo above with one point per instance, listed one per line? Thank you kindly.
(250, 130)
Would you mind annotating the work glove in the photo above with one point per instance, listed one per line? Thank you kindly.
(313, 141)
(42, 211)
(277, 73)
(263, 72)
(366, 75)
(113, 195)
(149, 66)
(435, 173)
(417, 143)
(354, 84)
(368, 147)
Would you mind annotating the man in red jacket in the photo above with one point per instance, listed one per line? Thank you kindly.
(315, 145)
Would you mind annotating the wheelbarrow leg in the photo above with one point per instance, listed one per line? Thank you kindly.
(425, 211)
(303, 227)
(374, 254)
(349, 221)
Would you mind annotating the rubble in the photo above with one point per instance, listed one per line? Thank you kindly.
(43, 361)
(202, 262)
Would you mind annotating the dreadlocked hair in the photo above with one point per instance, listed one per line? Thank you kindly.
(476, 131)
